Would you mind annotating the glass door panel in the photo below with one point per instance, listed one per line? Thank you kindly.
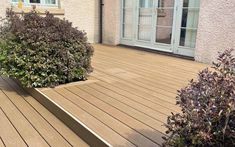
(145, 18)
(189, 23)
(127, 19)
(165, 18)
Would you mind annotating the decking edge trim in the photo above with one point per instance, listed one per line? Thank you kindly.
(78, 127)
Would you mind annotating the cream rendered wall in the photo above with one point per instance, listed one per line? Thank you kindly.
(216, 30)
(111, 21)
(4, 4)
(83, 13)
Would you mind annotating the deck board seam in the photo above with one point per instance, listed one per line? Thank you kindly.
(136, 96)
(125, 112)
(73, 117)
(129, 105)
(41, 115)
(136, 84)
(134, 100)
(13, 127)
(148, 54)
(2, 141)
(92, 114)
(147, 67)
(116, 118)
(142, 61)
(135, 93)
(26, 118)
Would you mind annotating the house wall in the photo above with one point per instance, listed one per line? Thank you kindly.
(111, 21)
(83, 13)
(216, 30)
(3, 5)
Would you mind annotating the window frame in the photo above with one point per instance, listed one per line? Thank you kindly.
(42, 3)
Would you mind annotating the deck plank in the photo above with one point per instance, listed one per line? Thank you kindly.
(91, 122)
(29, 134)
(8, 133)
(62, 129)
(131, 94)
(34, 124)
(120, 114)
(1, 142)
(51, 136)
(107, 119)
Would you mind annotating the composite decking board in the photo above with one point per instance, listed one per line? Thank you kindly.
(135, 105)
(2, 144)
(138, 89)
(25, 129)
(142, 66)
(145, 76)
(100, 128)
(119, 108)
(133, 101)
(122, 90)
(159, 89)
(146, 71)
(127, 62)
(50, 135)
(133, 88)
(155, 100)
(149, 74)
(160, 59)
(62, 129)
(8, 133)
(178, 79)
(151, 122)
(154, 65)
(107, 119)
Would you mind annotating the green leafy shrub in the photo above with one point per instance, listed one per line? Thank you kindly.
(43, 51)
(208, 108)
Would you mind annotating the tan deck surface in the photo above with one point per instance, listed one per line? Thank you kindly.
(129, 95)
(25, 122)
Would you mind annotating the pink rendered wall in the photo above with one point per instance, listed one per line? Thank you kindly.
(216, 30)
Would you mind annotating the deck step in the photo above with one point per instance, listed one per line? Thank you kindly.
(68, 119)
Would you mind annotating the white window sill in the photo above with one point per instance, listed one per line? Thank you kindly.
(40, 10)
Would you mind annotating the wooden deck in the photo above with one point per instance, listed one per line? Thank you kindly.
(128, 96)
(25, 122)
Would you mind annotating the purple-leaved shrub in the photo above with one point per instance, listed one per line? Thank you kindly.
(208, 108)
(43, 51)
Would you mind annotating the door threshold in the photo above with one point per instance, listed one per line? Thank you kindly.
(158, 52)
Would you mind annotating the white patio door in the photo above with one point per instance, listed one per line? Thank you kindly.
(165, 25)
(155, 24)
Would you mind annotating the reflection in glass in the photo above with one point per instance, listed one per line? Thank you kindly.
(189, 23)
(188, 37)
(163, 35)
(165, 21)
(127, 31)
(146, 3)
(127, 3)
(127, 26)
(145, 20)
(145, 33)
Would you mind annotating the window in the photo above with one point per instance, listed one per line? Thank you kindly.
(161, 12)
(37, 2)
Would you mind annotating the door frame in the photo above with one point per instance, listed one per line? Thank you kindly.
(174, 47)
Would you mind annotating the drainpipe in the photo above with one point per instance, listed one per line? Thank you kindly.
(101, 22)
